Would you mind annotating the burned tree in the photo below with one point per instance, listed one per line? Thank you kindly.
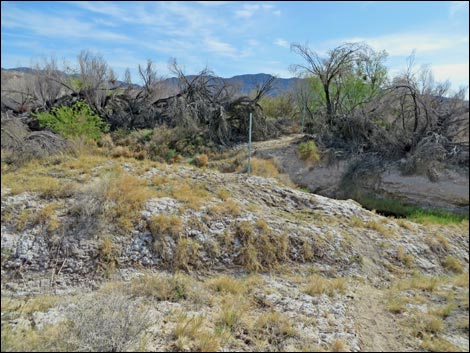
(47, 83)
(203, 106)
(422, 109)
(206, 106)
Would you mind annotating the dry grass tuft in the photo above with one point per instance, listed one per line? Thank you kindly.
(262, 167)
(338, 346)
(424, 323)
(307, 251)
(227, 284)
(163, 224)
(245, 231)
(187, 254)
(319, 285)
(201, 161)
(262, 252)
(172, 288)
(108, 254)
(190, 335)
(453, 264)
(396, 304)
(46, 186)
(405, 224)
(29, 305)
(438, 243)
(274, 328)
(356, 222)
(24, 217)
(262, 225)
(116, 198)
(437, 344)
(424, 283)
(444, 310)
(405, 259)
(129, 194)
(248, 257)
(193, 195)
(461, 280)
(28, 339)
(121, 151)
(233, 309)
(379, 227)
(223, 194)
(229, 207)
(47, 216)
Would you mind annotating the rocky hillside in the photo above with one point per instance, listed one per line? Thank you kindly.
(117, 254)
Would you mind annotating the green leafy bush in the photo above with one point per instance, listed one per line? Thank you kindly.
(308, 151)
(76, 121)
(278, 107)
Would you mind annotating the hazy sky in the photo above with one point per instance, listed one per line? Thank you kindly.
(236, 37)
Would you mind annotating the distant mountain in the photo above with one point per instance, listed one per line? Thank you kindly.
(246, 83)
(249, 82)
(26, 70)
(30, 71)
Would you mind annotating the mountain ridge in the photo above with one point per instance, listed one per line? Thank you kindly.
(246, 82)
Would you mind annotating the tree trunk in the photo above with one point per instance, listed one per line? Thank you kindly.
(329, 106)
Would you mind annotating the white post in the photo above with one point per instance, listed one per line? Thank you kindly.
(249, 144)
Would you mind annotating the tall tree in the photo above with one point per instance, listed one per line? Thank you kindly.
(348, 75)
(328, 68)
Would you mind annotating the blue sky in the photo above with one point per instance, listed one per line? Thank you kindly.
(237, 37)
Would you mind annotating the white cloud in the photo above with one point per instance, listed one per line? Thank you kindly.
(172, 46)
(102, 22)
(267, 6)
(59, 27)
(247, 11)
(219, 47)
(282, 43)
(403, 44)
(273, 69)
(187, 21)
(101, 7)
(456, 73)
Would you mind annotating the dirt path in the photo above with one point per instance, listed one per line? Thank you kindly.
(377, 328)
(283, 141)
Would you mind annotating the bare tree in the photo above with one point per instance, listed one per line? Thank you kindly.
(94, 79)
(149, 77)
(48, 83)
(127, 77)
(332, 67)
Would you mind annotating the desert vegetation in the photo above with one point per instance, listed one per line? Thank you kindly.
(128, 222)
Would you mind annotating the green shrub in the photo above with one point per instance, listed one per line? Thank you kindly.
(390, 207)
(308, 151)
(76, 121)
(278, 107)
